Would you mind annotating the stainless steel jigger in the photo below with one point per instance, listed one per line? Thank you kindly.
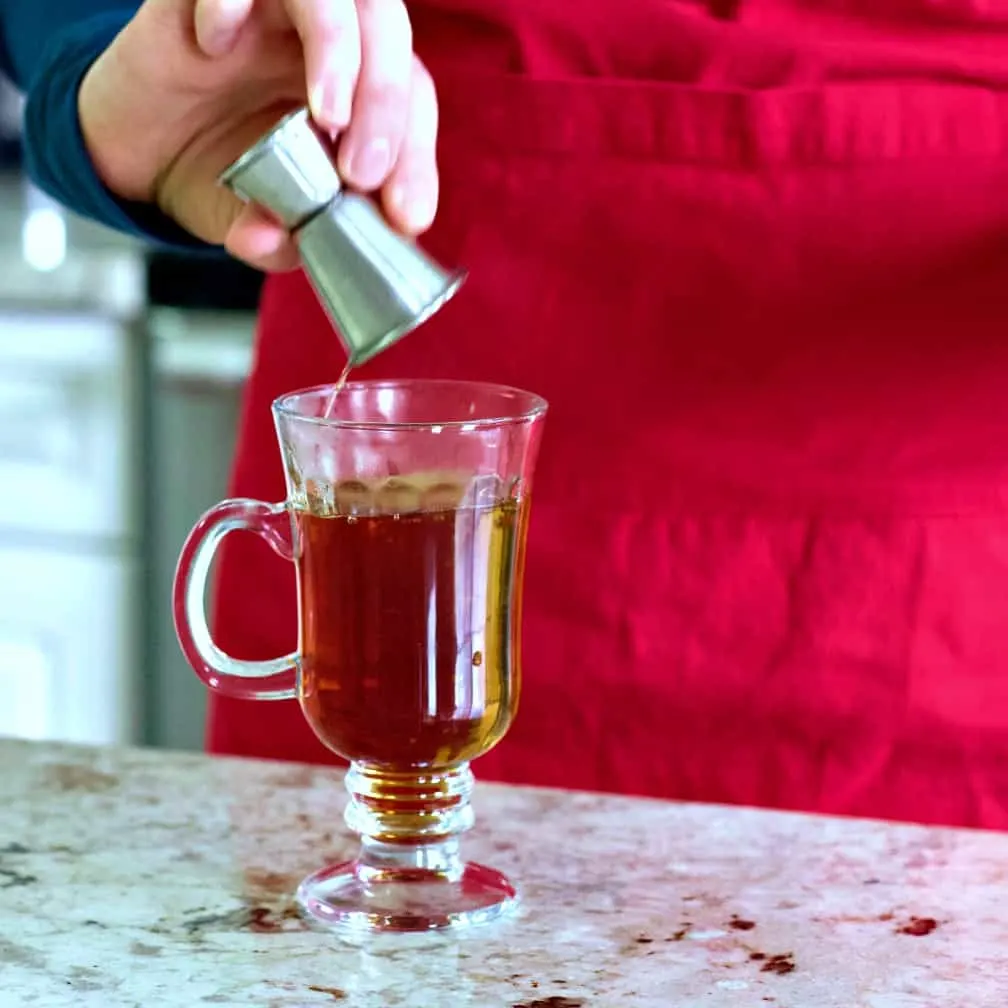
(374, 284)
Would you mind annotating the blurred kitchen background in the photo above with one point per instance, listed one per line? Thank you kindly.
(121, 370)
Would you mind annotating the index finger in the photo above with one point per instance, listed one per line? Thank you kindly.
(330, 37)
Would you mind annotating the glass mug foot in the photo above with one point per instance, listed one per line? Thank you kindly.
(406, 512)
(409, 874)
(358, 897)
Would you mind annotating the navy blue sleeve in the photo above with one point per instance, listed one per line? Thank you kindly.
(46, 48)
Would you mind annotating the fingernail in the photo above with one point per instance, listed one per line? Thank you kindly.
(415, 210)
(220, 39)
(268, 243)
(368, 165)
(329, 102)
(220, 27)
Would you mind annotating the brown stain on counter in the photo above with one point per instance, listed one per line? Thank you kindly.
(260, 882)
(264, 920)
(779, 964)
(556, 1001)
(74, 777)
(881, 918)
(918, 927)
(334, 992)
(257, 919)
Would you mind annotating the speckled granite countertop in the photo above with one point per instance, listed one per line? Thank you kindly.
(131, 878)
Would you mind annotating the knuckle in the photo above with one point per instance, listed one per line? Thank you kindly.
(383, 93)
(385, 81)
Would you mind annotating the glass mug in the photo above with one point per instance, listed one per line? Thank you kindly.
(406, 513)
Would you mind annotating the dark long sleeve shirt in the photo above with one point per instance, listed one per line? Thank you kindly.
(46, 47)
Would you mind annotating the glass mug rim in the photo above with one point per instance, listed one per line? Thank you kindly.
(529, 405)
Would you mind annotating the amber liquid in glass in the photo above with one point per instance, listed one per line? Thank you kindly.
(409, 624)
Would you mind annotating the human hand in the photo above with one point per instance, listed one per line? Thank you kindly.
(189, 85)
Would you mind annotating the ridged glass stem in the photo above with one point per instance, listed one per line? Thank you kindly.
(409, 822)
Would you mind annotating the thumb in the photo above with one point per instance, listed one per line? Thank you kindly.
(259, 241)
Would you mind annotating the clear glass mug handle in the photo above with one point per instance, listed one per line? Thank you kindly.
(275, 679)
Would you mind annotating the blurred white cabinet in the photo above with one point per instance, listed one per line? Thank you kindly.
(68, 544)
(64, 425)
(64, 644)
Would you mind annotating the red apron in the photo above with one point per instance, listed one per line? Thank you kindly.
(756, 259)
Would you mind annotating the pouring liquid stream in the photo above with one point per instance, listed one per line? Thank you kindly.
(336, 389)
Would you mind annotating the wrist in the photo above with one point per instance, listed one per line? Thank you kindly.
(110, 142)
